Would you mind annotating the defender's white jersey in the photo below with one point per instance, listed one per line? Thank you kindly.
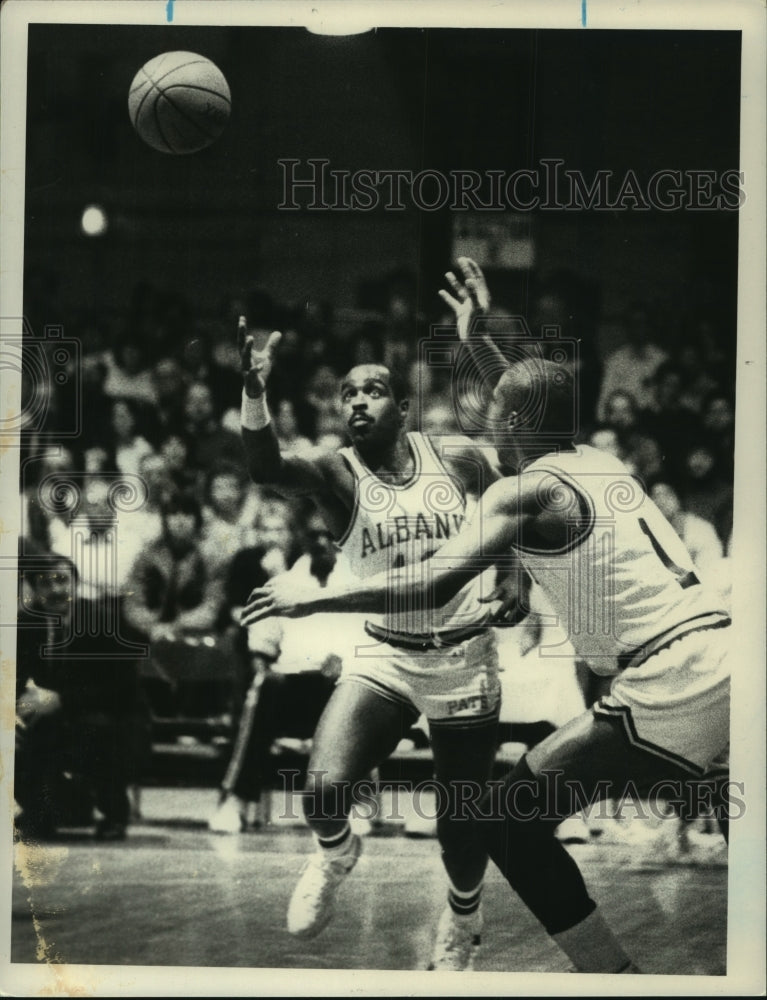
(397, 526)
(625, 584)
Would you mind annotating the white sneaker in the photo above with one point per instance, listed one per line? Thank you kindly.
(313, 899)
(457, 941)
(229, 817)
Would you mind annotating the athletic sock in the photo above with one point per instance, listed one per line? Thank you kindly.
(592, 947)
(464, 903)
(338, 844)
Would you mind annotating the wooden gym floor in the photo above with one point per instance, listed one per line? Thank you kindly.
(174, 894)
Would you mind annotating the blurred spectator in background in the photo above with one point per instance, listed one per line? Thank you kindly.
(174, 452)
(438, 418)
(228, 517)
(102, 549)
(672, 424)
(646, 460)
(79, 712)
(718, 419)
(622, 416)
(294, 666)
(47, 502)
(169, 385)
(291, 441)
(706, 490)
(568, 302)
(697, 381)
(331, 432)
(171, 590)
(273, 549)
(129, 444)
(207, 441)
(145, 522)
(629, 368)
(699, 535)
(128, 372)
(606, 439)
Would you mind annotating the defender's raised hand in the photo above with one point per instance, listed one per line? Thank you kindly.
(255, 363)
(470, 297)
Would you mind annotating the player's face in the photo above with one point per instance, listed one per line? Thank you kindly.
(372, 416)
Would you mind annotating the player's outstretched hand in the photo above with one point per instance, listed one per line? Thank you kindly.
(470, 298)
(256, 364)
(279, 597)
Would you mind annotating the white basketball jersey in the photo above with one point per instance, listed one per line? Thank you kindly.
(624, 584)
(394, 527)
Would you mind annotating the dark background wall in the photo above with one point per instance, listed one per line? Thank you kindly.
(207, 225)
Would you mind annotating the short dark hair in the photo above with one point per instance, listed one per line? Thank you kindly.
(548, 381)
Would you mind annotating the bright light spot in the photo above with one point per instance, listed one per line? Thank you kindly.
(94, 221)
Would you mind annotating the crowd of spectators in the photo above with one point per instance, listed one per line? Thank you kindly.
(160, 401)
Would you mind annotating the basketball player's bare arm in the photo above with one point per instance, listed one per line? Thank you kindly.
(322, 477)
(503, 513)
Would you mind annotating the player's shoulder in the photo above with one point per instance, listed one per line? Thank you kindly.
(459, 450)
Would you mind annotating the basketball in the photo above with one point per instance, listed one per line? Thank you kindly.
(179, 102)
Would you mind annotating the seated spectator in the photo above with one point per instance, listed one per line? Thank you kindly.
(646, 460)
(170, 590)
(606, 439)
(101, 545)
(79, 710)
(292, 442)
(130, 446)
(698, 381)
(672, 424)
(146, 522)
(630, 367)
(169, 384)
(128, 374)
(294, 668)
(699, 535)
(174, 452)
(718, 418)
(228, 517)
(46, 497)
(622, 415)
(331, 432)
(438, 419)
(207, 441)
(707, 490)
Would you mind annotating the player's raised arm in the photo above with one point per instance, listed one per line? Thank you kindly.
(470, 301)
(266, 466)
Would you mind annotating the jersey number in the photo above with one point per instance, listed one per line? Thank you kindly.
(685, 578)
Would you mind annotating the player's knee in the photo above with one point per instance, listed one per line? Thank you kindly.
(516, 813)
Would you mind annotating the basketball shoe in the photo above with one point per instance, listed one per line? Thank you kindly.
(457, 941)
(311, 905)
